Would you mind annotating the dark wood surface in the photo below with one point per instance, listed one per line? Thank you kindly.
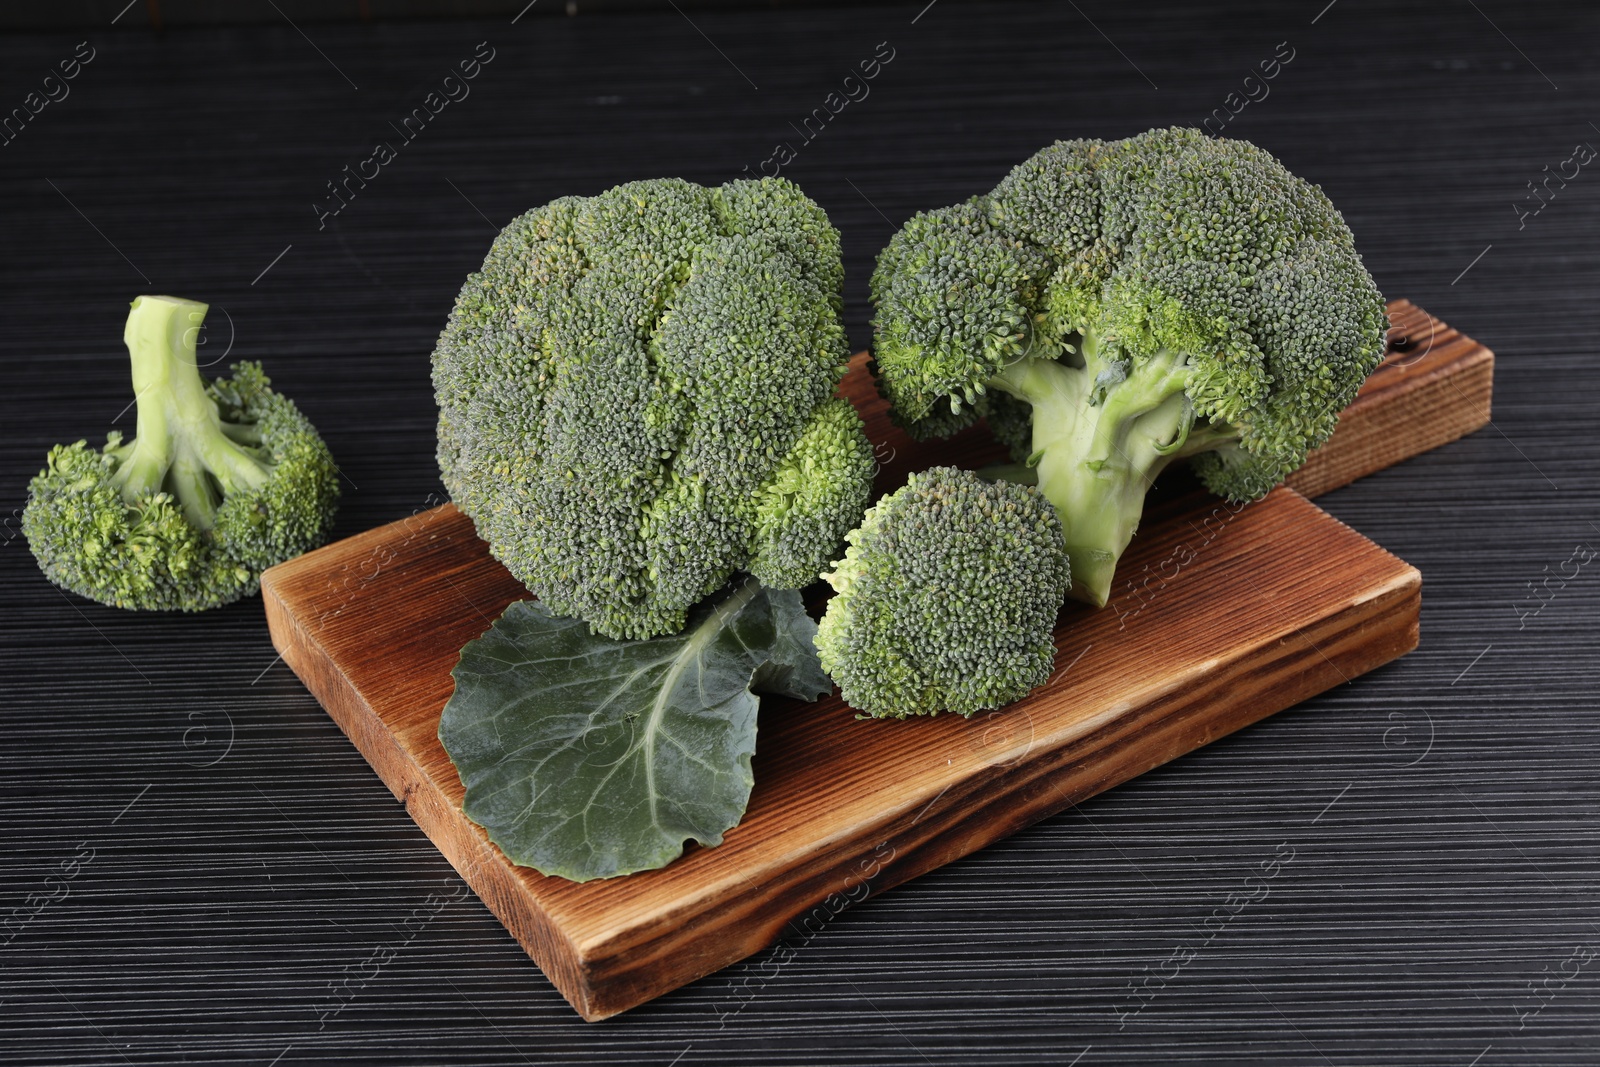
(1430, 830)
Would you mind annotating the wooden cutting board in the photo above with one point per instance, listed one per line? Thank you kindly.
(1222, 615)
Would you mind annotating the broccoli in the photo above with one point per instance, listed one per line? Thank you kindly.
(1114, 306)
(947, 597)
(636, 399)
(220, 482)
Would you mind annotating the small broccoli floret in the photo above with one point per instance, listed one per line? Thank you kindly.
(636, 399)
(1114, 306)
(220, 482)
(946, 598)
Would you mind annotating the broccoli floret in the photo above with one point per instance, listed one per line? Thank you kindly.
(946, 598)
(220, 482)
(1114, 306)
(636, 399)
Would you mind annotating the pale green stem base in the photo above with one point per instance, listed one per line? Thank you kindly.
(179, 443)
(1095, 461)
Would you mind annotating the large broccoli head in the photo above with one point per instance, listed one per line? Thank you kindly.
(1113, 306)
(636, 399)
(221, 481)
(946, 599)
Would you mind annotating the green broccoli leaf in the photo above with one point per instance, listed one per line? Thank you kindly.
(587, 757)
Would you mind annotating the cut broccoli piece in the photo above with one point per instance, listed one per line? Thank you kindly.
(946, 599)
(1170, 295)
(220, 482)
(636, 399)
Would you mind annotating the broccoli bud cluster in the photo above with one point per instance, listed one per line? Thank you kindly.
(946, 599)
(636, 399)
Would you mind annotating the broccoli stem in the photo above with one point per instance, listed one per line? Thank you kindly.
(1101, 434)
(180, 444)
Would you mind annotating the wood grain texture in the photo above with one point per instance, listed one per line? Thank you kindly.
(373, 625)
(1259, 609)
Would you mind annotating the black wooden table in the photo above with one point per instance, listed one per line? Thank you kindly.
(198, 867)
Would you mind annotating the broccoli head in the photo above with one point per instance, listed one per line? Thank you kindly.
(947, 597)
(636, 399)
(1114, 306)
(220, 482)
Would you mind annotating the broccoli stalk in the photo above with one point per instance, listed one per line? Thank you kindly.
(220, 482)
(1101, 433)
(181, 445)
